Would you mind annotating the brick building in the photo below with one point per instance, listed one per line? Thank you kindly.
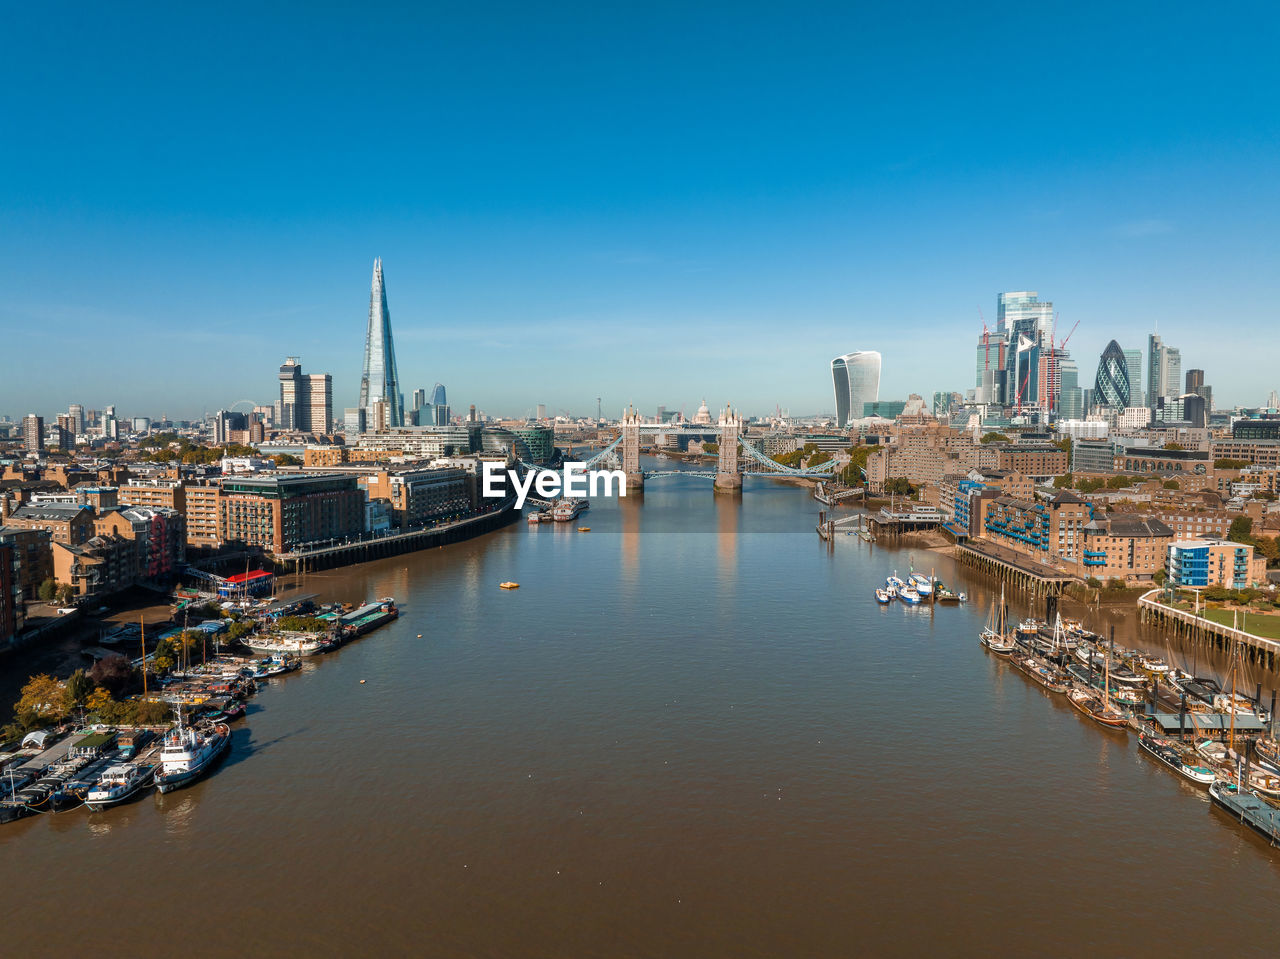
(280, 511)
(65, 523)
(31, 551)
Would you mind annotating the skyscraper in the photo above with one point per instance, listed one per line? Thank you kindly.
(1133, 359)
(1027, 324)
(306, 400)
(1070, 401)
(380, 381)
(1164, 370)
(856, 377)
(293, 397)
(1111, 387)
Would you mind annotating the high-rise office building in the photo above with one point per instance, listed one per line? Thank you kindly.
(1133, 359)
(33, 433)
(1070, 401)
(1195, 380)
(1111, 386)
(306, 399)
(1164, 370)
(289, 408)
(856, 377)
(1027, 324)
(76, 412)
(380, 381)
(419, 399)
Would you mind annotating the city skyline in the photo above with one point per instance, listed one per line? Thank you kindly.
(715, 207)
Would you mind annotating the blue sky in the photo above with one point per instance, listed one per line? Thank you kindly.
(648, 202)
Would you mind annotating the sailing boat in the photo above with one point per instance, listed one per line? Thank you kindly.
(994, 635)
(1098, 708)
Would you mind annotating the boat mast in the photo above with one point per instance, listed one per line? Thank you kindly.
(1231, 703)
(142, 629)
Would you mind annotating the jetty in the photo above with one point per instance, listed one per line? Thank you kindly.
(1189, 625)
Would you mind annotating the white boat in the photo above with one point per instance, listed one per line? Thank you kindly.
(286, 644)
(1151, 664)
(189, 753)
(883, 597)
(118, 784)
(909, 596)
(568, 509)
(894, 583)
(1170, 753)
(923, 584)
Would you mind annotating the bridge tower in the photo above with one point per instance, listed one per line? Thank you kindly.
(728, 472)
(631, 449)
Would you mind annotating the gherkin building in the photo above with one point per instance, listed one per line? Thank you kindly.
(1111, 388)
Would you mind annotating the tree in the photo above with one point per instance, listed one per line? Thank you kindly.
(1089, 485)
(993, 438)
(48, 590)
(819, 458)
(43, 700)
(114, 673)
(899, 486)
(710, 449)
(1119, 482)
(287, 459)
(148, 712)
(1172, 484)
(1174, 446)
(66, 594)
(1115, 583)
(1062, 482)
(1093, 582)
(79, 688)
(1160, 577)
(1230, 464)
(1240, 529)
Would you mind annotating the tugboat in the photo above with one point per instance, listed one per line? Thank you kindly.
(119, 784)
(189, 753)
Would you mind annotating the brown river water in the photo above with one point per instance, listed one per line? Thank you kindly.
(691, 732)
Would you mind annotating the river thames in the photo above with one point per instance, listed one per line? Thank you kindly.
(690, 732)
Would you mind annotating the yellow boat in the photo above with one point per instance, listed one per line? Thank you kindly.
(509, 585)
(584, 529)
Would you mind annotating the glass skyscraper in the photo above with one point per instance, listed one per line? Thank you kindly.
(1111, 386)
(1164, 371)
(1133, 360)
(1027, 325)
(856, 377)
(380, 381)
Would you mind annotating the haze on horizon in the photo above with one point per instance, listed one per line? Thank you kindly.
(652, 205)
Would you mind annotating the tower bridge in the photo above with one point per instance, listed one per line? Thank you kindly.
(732, 454)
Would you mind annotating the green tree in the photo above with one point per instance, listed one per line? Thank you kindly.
(1174, 446)
(48, 590)
(66, 594)
(79, 688)
(710, 449)
(1115, 583)
(1160, 577)
(899, 486)
(148, 712)
(1240, 529)
(287, 459)
(993, 438)
(1093, 582)
(1230, 464)
(1119, 482)
(1172, 484)
(1062, 482)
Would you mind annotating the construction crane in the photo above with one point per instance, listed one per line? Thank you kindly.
(986, 342)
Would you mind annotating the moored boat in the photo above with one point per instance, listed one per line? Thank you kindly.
(1168, 752)
(189, 752)
(909, 596)
(1048, 677)
(1097, 708)
(1255, 812)
(883, 597)
(119, 784)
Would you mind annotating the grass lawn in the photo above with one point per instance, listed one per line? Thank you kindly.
(1266, 625)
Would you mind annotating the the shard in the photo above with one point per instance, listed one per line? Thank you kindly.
(380, 382)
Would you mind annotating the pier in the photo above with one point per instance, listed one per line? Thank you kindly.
(393, 544)
(1040, 580)
(1178, 622)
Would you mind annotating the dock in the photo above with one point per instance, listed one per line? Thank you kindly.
(1178, 622)
(1036, 578)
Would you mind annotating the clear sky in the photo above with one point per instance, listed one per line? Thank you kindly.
(643, 202)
